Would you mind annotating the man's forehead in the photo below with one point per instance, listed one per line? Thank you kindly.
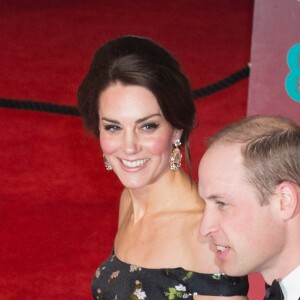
(219, 156)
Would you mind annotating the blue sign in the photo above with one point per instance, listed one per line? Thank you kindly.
(292, 81)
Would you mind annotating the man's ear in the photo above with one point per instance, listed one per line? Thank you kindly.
(289, 199)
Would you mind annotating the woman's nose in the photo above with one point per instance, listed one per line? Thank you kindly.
(130, 143)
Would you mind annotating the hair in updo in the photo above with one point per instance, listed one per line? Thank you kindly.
(133, 60)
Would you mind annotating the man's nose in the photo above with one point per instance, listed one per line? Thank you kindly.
(208, 224)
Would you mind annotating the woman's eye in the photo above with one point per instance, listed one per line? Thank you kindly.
(150, 126)
(112, 128)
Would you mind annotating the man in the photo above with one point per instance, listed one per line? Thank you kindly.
(250, 180)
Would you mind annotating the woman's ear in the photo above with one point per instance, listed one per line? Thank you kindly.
(289, 199)
(177, 134)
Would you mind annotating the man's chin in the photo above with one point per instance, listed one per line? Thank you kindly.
(230, 270)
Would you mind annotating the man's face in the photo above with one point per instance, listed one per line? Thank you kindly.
(245, 235)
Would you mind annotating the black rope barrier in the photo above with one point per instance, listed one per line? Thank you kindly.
(73, 111)
(222, 84)
(39, 106)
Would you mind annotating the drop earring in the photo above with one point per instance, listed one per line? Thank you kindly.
(106, 164)
(176, 156)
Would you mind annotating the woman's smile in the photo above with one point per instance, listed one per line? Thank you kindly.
(134, 163)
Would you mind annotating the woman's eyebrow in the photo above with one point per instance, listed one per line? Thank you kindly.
(147, 117)
(141, 120)
(110, 120)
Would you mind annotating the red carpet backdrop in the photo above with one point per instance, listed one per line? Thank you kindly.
(58, 205)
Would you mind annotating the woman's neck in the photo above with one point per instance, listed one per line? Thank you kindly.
(163, 196)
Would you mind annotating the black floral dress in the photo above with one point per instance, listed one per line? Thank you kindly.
(116, 280)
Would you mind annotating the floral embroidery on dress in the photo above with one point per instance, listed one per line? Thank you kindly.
(99, 294)
(187, 276)
(217, 276)
(98, 273)
(134, 268)
(177, 292)
(113, 277)
(138, 293)
(116, 280)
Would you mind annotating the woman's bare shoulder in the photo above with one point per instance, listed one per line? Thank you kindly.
(124, 206)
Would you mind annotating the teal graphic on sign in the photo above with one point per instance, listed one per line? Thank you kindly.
(292, 81)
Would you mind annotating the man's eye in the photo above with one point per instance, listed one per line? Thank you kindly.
(220, 203)
(150, 126)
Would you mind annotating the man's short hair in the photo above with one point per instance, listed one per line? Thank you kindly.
(270, 147)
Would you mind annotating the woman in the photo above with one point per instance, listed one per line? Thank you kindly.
(137, 100)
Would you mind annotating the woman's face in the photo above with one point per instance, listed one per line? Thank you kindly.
(135, 137)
